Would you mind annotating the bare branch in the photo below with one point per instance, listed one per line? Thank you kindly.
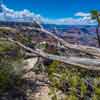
(90, 64)
(95, 52)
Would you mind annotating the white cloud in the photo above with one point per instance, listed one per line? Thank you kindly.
(82, 14)
(11, 15)
(27, 16)
(71, 21)
(79, 18)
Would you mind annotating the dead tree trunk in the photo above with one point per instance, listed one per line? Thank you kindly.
(90, 64)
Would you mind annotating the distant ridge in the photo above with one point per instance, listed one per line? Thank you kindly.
(18, 24)
(52, 26)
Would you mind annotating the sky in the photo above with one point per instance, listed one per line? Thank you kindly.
(54, 11)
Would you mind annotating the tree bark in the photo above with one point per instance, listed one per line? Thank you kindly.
(98, 37)
(93, 51)
(86, 63)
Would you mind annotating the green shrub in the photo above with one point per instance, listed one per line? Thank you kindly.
(72, 82)
(10, 65)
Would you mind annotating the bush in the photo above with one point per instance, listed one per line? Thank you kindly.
(75, 84)
(10, 65)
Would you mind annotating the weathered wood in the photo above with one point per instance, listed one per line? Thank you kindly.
(29, 64)
(90, 64)
(86, 49)
(81, 48)
(93, 51)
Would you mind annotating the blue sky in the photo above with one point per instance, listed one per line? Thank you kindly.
(54, 8)
(58, 10)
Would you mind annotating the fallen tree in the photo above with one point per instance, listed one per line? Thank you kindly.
(87, 63)
(90, 64)
(95, 52)
(86, 49)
